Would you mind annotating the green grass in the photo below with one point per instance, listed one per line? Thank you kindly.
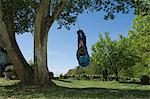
(75, 89)
(100, 84)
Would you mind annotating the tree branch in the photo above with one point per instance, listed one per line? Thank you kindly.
(59, 8)
(43, 8)
(41, 14)
(56, 13)
(1, 13)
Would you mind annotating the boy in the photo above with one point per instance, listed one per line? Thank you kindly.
(82, 54)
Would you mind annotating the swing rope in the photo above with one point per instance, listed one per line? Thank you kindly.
(78, 24)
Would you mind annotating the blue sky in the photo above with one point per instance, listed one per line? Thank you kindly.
(62, 43)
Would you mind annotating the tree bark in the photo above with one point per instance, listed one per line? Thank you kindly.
(116, 72)
(40, 57)
(41, 75)
(43, 22)
(114, 68)
(23, 70)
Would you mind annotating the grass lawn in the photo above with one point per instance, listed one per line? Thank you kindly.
(75, 89)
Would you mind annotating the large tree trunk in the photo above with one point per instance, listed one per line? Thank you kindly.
(23, 70)
(40, 58)
(43, 22)
(41, 75)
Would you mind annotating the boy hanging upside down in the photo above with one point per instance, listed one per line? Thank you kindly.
(82, 54)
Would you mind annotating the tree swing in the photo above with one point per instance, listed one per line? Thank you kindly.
(82, 53)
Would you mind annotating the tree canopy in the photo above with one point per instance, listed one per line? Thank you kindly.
(24, 11)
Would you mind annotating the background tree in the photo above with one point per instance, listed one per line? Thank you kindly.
(113, 55)
(93, 69)
(70, 72)
(139, 40)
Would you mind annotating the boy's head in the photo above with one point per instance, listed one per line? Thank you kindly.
(81, 51)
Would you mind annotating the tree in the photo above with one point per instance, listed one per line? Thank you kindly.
(113, 55)
(142, 36)
(7, 31)
(128, 56)
(93, 68)
(142, 7)
(38, 16)
(139, 41)
(79, 70)
(70, 72)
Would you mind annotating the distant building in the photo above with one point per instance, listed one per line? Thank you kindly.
(4, 59)
(3, 54)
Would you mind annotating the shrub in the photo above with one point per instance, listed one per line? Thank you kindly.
(51, 75)
(145, 80)
(84, 77)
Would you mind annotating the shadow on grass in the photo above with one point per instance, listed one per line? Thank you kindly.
(93, 92)
(131, 82)
(64, 81)
(58, 92)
